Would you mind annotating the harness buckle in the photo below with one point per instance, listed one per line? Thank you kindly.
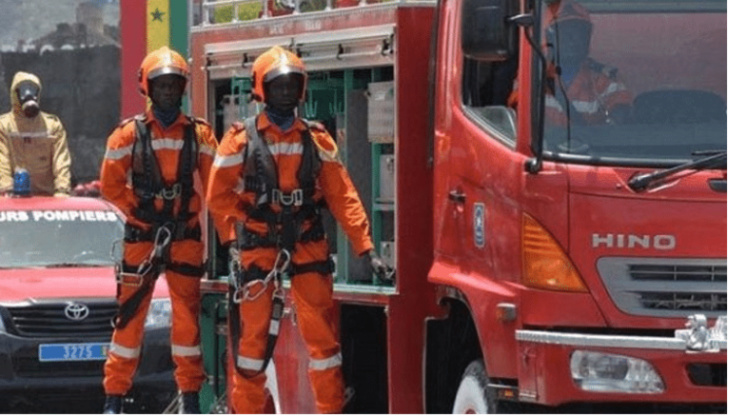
(295, 198)
(170, 193)
(131, 279)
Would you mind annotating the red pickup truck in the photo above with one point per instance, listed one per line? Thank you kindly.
(57, 298)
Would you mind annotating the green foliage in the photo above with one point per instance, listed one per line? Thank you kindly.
(246, 11)
(252, 9)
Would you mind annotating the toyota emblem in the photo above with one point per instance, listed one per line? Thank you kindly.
(76, 312)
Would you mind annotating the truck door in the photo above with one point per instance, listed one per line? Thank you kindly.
(476, 138)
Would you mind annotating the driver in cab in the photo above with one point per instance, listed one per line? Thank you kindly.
(578, 87)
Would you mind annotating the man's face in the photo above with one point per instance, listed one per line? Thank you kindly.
(166, 91)
(571, 38)
(284, 91)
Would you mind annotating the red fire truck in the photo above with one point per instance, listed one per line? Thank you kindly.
(538, 264)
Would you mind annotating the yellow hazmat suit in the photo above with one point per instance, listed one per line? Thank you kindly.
(37, 144)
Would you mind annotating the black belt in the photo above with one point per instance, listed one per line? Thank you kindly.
(133, 234)
(250, 240)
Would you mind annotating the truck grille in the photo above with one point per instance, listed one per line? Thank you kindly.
(49, 319)
(666, 287)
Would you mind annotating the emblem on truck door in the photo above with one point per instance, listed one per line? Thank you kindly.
(479, 228)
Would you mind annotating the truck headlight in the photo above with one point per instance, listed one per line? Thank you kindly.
(159, 315)
(604, 372)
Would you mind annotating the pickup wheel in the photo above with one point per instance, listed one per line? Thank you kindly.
(475, 397)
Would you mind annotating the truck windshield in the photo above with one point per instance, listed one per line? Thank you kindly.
(57, 238)
(634, 82)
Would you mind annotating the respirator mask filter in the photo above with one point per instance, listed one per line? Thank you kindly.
(28, 96)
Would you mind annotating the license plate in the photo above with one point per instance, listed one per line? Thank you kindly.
(60, 352)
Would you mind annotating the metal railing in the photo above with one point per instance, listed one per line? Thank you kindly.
(214, 12)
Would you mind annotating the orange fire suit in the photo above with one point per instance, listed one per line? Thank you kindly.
(184, 290)
(312, 291)
(594, 93)
(37, 144)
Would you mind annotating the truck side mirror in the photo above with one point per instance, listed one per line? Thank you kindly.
(486, 32)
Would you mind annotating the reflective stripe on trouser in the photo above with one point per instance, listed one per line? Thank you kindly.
(312, 294)
(184, 291)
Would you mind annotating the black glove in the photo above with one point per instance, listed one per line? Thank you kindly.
(379, 267)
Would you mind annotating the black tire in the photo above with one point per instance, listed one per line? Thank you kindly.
(475, 397)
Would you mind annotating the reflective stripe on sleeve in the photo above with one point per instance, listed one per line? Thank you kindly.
(222, 161)
(124, 352)
(249, 363)
(322, 364)
(588, 107)
(35, 135)
(178, 350)
(612, 88)
(550, 101)
(116, 154)
(208, 150)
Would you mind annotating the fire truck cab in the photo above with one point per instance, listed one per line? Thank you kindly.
(564, 262)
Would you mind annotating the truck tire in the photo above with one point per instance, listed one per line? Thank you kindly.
(474, 396)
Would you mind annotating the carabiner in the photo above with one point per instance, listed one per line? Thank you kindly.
(248, 295)
(277, 266)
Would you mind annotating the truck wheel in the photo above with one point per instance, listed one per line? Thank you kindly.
(474, 396)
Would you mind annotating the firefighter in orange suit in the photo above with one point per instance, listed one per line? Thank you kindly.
(148, 173)
(272, 174)
(34, 141)
(596, 95)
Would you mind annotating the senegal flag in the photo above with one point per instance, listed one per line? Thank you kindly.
(167, 25)
(147, 25)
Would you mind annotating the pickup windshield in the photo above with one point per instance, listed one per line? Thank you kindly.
(58, 238)
(634, 82)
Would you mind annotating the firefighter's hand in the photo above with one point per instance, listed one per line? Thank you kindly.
(234, 253)
(379, 267)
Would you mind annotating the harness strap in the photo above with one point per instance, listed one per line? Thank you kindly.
(185, 169)
(274, 326)
(128, 309)
(247, 239)
(261, 177)
(186, 269)
(134, 234)
(277, 306)
(259, 164)
(148, 183)
(320, 267)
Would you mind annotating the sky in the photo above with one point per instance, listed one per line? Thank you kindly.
(29, 19)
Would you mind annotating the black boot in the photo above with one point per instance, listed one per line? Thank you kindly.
(190, 403)
(113, 404)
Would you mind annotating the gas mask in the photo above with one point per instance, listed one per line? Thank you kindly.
(28, 97)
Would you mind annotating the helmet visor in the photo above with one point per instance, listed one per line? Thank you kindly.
(166, 70)
(282, 70)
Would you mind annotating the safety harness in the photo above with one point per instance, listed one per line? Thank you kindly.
(148, 185)
(284, 231)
